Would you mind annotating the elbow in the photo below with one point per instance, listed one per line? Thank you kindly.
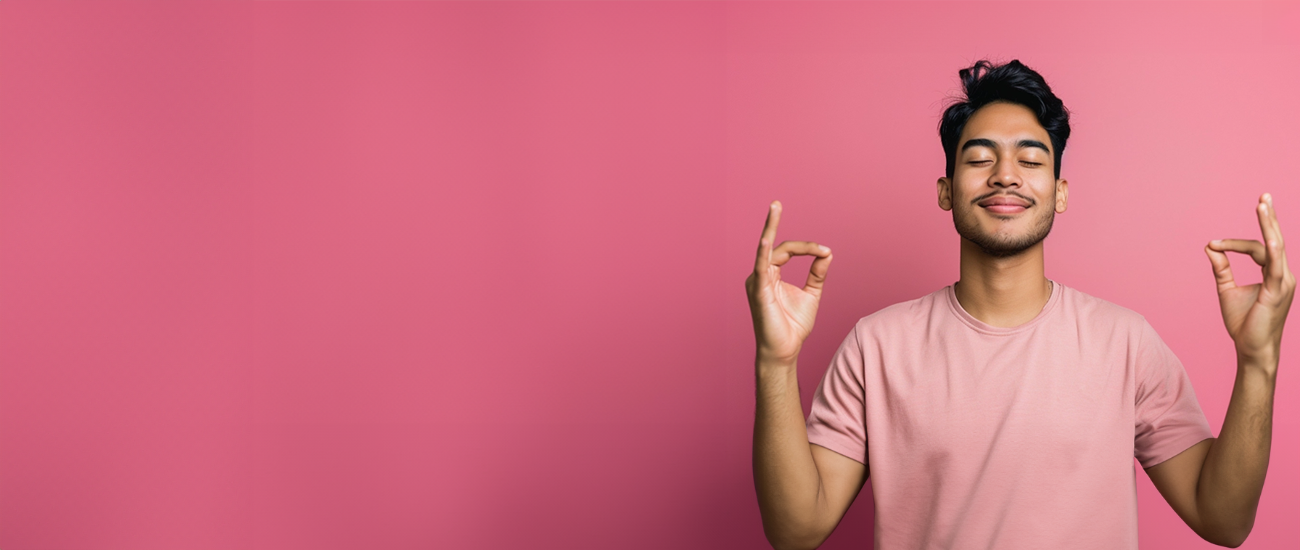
(792, 539)
(1222, 528)
(1230, 543)
(1230, 538)
(1233, 541)
(788, 544)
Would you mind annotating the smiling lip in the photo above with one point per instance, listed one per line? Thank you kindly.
(1005, 208)
(1005, 204)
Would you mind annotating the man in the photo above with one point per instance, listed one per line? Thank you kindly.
(1005, 410)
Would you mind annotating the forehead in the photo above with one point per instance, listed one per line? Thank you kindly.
(1003, 123)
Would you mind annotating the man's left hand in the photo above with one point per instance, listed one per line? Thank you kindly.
(1254, 314)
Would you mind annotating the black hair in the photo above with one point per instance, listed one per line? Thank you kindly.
(985, 83)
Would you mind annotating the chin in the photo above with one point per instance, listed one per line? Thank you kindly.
(1008, 236)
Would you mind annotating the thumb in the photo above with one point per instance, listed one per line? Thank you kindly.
(817, 276)
(1222, 269)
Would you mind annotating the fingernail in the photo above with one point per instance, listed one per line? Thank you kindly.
(824, 248)
(1216, 241)
(1268, 197)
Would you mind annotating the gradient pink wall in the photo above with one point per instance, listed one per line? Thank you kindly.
(470, 275)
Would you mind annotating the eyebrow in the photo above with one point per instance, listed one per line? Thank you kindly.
(981, 142)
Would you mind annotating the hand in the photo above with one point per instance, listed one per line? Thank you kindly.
(783, 313)
(1254, 314)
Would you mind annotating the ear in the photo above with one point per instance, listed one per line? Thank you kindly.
(1062, 195)
(945, 193)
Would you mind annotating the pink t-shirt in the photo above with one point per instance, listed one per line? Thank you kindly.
(987, 437)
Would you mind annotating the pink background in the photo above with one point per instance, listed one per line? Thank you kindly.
(470, 275)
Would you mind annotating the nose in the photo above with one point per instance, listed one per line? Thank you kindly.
(1005, 174)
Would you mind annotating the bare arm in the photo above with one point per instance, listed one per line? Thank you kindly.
(1216, 484)
(803, 489)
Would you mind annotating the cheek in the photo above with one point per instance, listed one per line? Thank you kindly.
(963, 191)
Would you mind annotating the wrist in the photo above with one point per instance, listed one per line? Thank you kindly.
(764, 363)
(776, 380)
(1258, 362)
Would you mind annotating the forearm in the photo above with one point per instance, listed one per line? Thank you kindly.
(1232, 477)
(785, 475)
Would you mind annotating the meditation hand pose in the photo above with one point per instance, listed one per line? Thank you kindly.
(1005, 410)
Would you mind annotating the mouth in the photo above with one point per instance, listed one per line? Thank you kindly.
(1005, 208)
(1005, 204)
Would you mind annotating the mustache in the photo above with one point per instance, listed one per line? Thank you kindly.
(976, 200)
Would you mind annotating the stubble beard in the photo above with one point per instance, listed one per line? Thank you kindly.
(996, 245)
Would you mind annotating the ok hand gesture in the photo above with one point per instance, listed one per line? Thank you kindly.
(783, 313)
(1254, 314)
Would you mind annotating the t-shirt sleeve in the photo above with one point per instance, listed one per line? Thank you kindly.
(1168, 417)
(837, 420)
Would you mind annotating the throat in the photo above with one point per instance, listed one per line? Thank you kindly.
(1003, 305)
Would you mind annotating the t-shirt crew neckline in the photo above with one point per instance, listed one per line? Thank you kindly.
(986, 328)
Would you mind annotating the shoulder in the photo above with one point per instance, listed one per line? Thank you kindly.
(1096, 310)
(1102, 317)
(902, 316)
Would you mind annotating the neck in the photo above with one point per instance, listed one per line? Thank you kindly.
(1002, 292)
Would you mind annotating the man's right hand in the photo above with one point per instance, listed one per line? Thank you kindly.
(803, 489)
(783, 313)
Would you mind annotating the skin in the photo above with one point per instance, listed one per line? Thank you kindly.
(804, 489)
(1000, 288)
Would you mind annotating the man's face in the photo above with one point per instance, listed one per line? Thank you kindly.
(1003, 193)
